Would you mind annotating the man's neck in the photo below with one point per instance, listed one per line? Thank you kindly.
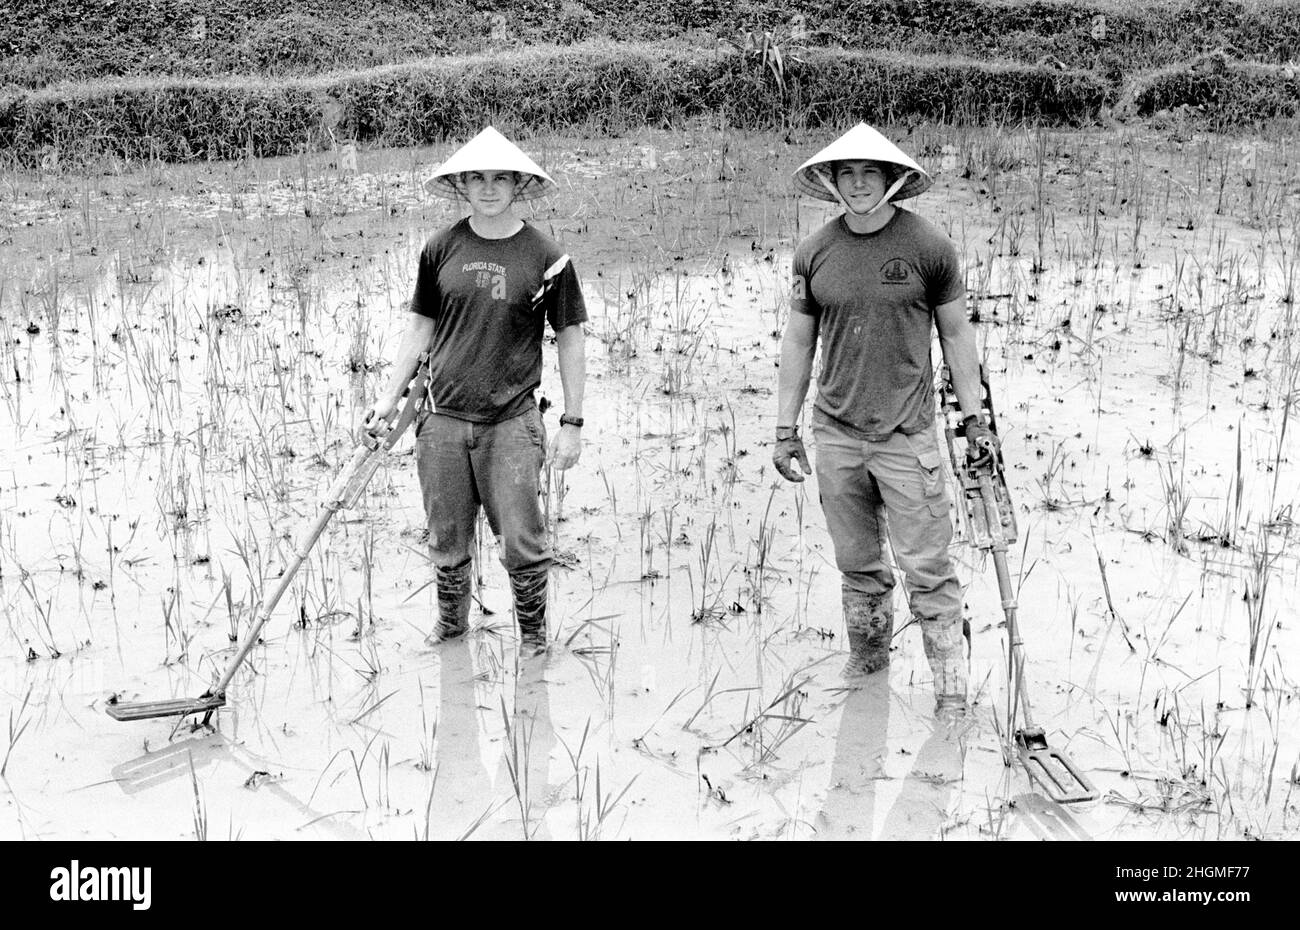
(501, 226)
(873, 222)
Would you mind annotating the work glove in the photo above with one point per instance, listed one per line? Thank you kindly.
(982, 444)
(788, 450)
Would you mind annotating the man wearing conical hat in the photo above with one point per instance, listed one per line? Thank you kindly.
(485, 288)
(873, 284)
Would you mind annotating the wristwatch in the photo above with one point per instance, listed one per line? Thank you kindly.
(791, 432)
(566, 420)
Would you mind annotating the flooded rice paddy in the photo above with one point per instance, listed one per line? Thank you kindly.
(187, 352)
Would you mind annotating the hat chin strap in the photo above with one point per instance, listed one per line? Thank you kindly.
(894, 189)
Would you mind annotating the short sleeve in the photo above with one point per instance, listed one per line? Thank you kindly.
(426, 302)
(562, 297)
(801, 297)
(944, 281)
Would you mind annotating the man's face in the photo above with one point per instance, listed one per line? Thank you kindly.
(490, 193)
(861, 183)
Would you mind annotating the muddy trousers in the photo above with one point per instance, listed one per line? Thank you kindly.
(463, 466)
(895, 490)
(892, 489)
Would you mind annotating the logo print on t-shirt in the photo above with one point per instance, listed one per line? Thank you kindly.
(489, 275)
(895, 271)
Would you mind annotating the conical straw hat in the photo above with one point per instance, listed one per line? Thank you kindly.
(860, 142)
(490, 151)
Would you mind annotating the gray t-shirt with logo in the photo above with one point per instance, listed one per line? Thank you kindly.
(489, 300)
(874, 296)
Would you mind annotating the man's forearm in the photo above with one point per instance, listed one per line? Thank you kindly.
(959, 352)
(793, 380)
(415, 339)
(573, 367)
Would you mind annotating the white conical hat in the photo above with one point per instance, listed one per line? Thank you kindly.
(490, 151)
(860, 142)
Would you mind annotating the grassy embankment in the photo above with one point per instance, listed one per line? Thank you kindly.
(217, 78)
(79, 40)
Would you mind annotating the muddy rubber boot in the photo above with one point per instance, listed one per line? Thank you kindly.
(945, 648)
(529, 587)
(870, 621)
(453, 602)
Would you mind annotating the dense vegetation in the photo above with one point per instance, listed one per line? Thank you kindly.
(80, 39)
(181, 78)
(599, 87)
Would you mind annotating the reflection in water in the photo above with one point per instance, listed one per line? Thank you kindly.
(1045, 819)
(462, 792)
(858, 768)
(529, 745)
(464, 796)
(178, 760)
(858, 774)
(922, 806)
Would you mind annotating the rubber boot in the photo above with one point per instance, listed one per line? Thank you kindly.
(453, 602)
(944, 640)
(870, 621)
(529, 587)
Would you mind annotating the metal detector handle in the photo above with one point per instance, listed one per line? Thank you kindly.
(352, 480)
(413, 400)
(986, 450)
(343, 493)
(268, 605)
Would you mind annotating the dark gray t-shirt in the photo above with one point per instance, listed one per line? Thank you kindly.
(489, 299)
(874, 297)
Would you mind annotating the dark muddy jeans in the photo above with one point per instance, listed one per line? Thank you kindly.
(899, 483)
(463, 465)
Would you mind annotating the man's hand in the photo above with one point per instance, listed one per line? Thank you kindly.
(566, 447)
(982, 444)
(786, 452)
(377, 416)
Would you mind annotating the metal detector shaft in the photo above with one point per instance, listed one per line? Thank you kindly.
(990, 522)
(268, 606)
(342, 494)
(1055, 771)
(1009, 607)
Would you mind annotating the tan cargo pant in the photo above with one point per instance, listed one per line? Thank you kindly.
(898, 484)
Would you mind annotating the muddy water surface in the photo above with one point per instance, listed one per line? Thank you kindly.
(188, 350)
